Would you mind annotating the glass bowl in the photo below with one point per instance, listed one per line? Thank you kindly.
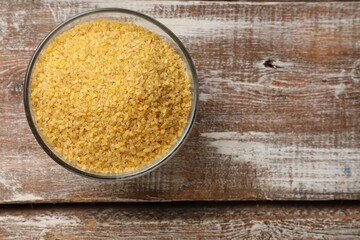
(122, 15)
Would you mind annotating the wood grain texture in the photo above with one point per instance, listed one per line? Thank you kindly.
(287, 132)
(182, 221)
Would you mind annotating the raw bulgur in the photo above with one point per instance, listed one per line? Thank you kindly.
(110, 97)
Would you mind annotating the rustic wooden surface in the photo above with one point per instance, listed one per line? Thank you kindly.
(287, 131)
(183, 221)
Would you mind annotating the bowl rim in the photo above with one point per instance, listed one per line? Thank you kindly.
(142, 171)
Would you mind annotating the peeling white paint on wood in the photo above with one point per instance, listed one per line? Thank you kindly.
(46, 220)
(17, 194)
(355, 71)
(297, 164)
(339, 89)
(23, 197)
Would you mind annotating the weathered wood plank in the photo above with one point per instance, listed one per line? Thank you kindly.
(291, 132)
(182, 221)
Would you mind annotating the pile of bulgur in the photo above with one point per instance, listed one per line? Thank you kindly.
(110, 97)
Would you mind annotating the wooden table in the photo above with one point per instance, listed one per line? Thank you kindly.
(279, 119)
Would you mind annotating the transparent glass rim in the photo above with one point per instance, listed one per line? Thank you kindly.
(142, 171)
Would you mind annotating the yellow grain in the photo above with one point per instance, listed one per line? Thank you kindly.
(110, 97)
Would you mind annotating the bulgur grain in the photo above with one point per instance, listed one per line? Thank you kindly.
(110, 97)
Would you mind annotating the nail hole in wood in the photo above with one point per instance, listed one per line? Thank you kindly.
(271, 63)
